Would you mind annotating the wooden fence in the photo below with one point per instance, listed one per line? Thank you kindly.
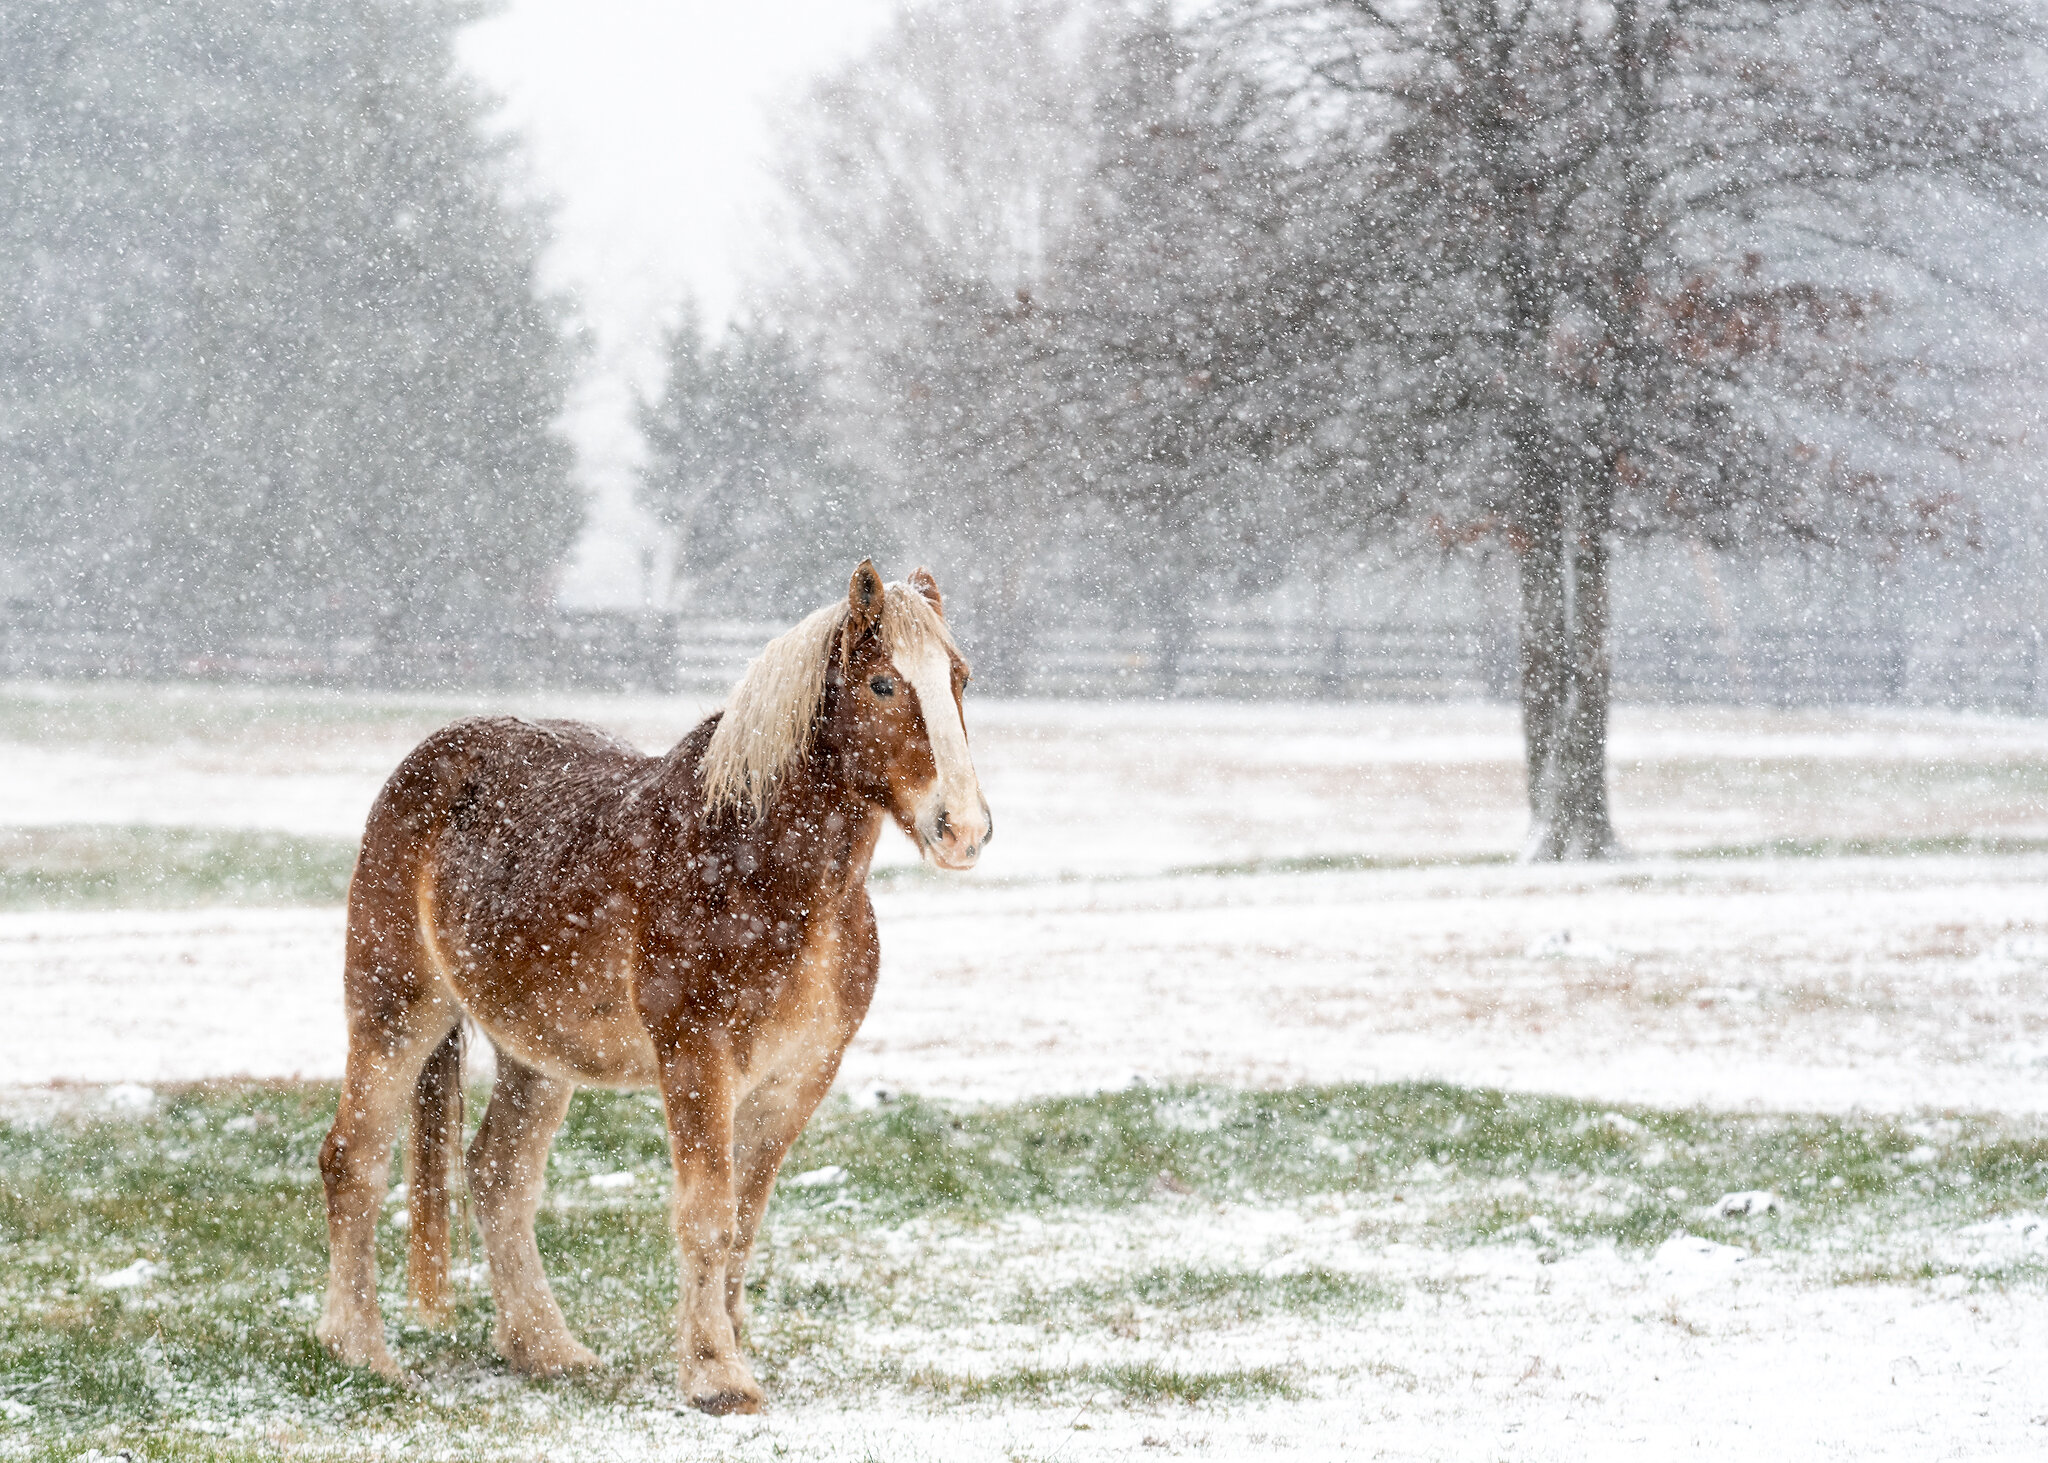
(1983, 667)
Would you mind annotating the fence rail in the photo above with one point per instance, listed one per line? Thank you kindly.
(1241, 659)
(1657, 664)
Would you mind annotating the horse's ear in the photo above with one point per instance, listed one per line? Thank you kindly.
(863, 604)
(921, 580)
(864, 594)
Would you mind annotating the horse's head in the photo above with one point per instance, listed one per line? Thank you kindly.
(869, 687)
(900, 720)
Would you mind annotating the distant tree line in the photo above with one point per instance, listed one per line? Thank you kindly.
(1090, 301)
(272, 355)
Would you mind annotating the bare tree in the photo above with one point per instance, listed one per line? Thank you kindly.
(1647, 266)
(925, 191)
(1061, 267)
(1190, 293)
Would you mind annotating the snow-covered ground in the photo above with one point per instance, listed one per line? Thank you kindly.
(1090, 949)
(1884, 984)
(1098, 787)
(1695, 1349)
(1101, 944)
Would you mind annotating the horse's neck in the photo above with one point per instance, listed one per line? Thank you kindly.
(818, 834)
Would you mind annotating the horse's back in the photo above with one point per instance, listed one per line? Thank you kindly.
(499, 763)
(498, 810)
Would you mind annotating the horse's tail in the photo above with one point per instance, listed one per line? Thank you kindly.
(436, 1137)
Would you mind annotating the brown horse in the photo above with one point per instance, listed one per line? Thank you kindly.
(697, 922)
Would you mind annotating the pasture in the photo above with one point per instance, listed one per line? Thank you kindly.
(1249, 1098)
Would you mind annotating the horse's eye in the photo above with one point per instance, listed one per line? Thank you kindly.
(882, 686)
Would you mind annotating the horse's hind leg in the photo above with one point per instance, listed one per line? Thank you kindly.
(507, 1170)
(388, 1045)
(399, 1012)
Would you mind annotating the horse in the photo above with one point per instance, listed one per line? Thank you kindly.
(697, 923)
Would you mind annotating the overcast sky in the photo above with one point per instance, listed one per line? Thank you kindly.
(648, 122)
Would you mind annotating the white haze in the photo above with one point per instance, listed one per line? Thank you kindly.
(647, 122)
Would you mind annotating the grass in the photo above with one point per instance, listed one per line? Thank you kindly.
(1590, 1173)
(1963, 844)
(218, 1187)
(147, 867)
(1145, 1382)
(92, 867)
(1933, 846)
(1214, 1292)
(124, 715)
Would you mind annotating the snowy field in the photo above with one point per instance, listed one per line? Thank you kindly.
(1836, 913)
(1197, 892)
(1813, 984)
(1100, 788)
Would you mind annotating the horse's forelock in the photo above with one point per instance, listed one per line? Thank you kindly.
(909, 620)
(771, 717)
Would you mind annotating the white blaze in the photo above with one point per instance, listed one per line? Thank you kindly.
(956, 791)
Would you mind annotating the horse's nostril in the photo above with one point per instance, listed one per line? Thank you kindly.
(943, 825)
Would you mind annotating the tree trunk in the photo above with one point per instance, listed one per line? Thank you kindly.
(1566, 685)
(1567, 675)
(1584, 829)
(1173, 633)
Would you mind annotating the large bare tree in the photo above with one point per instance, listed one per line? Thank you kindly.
(1649, 266)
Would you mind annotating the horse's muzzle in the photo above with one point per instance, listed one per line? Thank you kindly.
(956, 842)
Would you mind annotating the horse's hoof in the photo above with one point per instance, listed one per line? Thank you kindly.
(383, 1366)
(553, 1360)
(559, 1366)
(350, 1351)
(727, 1403)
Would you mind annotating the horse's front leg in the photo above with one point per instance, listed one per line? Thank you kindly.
(698, 1084)
(766, 1125)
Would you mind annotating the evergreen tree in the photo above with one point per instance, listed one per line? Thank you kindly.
(763, 514)
(279, 358)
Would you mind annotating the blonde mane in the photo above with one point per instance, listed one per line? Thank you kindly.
(771, 715)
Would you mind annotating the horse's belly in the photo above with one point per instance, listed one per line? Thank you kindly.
(567, 1012)
(583, 1029)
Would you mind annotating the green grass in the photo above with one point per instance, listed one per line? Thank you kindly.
(125, 715)
(111, 867)
(916, 1157)
(1960, 844)
(1208, 1293)
(1140, 1383)
(1968, 844)
(89, 867)
(219, 1186)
